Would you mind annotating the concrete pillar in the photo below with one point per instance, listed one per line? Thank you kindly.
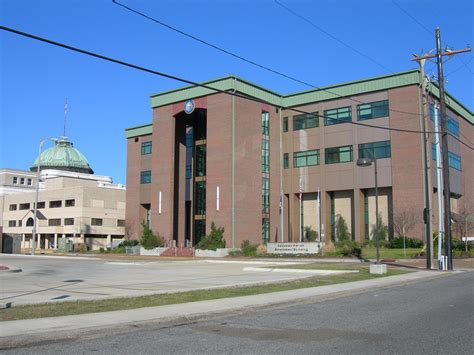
(23, 241)
(109, 241)
(56, 241)
(359, 226)
(38, 243)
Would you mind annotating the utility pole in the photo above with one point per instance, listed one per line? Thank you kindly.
(426, 165)
(447, 191)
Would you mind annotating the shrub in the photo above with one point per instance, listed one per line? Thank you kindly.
(129, 243)
(102, 250)
(310, 234)
(149, 240)
(261, 249)
(348, 247)
(235, 252)
(248, 249)
(409, 243)
(382, 229)
(342, 232)
(214, 240)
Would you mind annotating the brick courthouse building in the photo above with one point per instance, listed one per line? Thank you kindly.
(212, 157)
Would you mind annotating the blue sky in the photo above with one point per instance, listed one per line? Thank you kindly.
(104, 98)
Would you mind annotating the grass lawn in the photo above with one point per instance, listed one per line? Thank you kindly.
(81, 307)
(388, 253)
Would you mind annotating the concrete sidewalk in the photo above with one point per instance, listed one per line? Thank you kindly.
(23, 332)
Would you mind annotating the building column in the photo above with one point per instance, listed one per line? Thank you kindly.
(38, 243)
(55, 240)
(109, 241)
(359, 224)
(22, 240)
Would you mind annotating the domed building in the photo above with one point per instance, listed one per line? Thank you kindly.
(63, 156)
(76, 208)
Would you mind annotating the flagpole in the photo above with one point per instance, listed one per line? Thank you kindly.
(319, 215)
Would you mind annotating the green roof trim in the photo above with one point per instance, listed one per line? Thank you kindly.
(231, 83)
(228, 83)
(137, 131)
(352, 88)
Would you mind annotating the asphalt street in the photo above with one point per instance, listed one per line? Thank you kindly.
(430, 317)
(56, 279)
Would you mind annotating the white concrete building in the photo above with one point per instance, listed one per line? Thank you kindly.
(73, 205)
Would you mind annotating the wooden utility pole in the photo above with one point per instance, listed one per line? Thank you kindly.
(447, 191)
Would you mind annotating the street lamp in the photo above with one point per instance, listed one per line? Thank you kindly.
(35, 210)
(368, 162)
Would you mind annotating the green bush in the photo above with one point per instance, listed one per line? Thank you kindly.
(213, 240)
(102, 250)
(248, 249)
(310, 234)
(348, 247)
(235, 252)
(149, 240)
(129, 243)
(409, 243)
(342, 232)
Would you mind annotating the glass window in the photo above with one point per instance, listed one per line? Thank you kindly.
(68, 221)
(285, 124)
(55, 204)
(265, 230)
(338, 154)
(265, 155)
(376, 150)
(338, 115)
(120, 223)
(454, 160)
(54, 222)
(200, 198)
(20, 223)
(372, 110)
(452, 124)
(24, 206)
(306, 158)
(22, 181)
(97, 221)
(146, 148)
(286, 161)
(145, 177)
(13, 207)
(265, 124)
(70, 203)
(199, 230)
(12, 223)
(201, 160)
(305, 121)
(265, 194)
(41, 205)
(15, 180)
(30, 182)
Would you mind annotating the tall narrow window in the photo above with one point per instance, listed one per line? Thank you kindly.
(265, 159)
(201, 160)
(286, 161)
(285, 124)
(200, 198)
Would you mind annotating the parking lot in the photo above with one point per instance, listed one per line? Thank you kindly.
(55, 278)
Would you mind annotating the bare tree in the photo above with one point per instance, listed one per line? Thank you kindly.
(465, 223)
(403, 222)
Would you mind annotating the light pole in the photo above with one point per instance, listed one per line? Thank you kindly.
(35, 210)
(368, 162)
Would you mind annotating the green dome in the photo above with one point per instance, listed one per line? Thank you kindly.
(63, 156)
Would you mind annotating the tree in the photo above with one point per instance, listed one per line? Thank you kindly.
(310, 234)
(213, 240)
(403, 222)
(149, 240)
(342, 232)
(464, 223)
(380, 228)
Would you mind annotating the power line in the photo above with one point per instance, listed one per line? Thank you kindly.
(173, 77)
(345, 44)
(413, 18)
(247, 60)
